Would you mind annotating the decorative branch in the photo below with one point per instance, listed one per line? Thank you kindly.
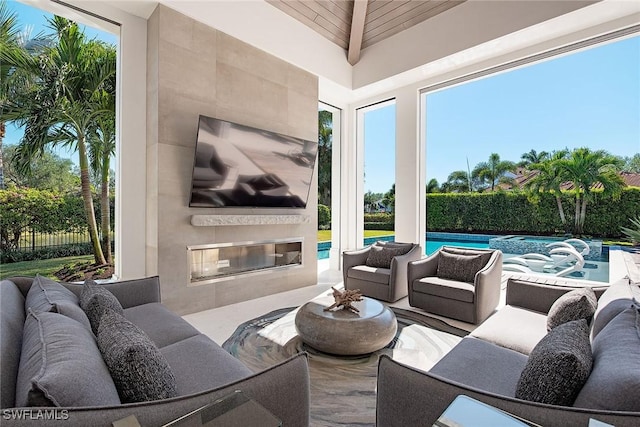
(345, 299)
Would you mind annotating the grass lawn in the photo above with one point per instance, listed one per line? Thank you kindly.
(45, 267)
(325, 235)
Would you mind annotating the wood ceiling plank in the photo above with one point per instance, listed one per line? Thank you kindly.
(357, 31)
(339, 13)
(376, 4)
(346, 5)
(385, 9)
(295, 10)
(330, 26)
(373, 36)
(397, 15)
(318, 8)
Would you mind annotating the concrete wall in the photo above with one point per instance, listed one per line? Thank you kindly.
(193, 69)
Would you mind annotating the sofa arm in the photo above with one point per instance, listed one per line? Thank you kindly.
(353, 258)
(487, 284)
(538, 296)
(130, 293)
(400, 265)
(409, 397)
(282, 389)
(425, 267)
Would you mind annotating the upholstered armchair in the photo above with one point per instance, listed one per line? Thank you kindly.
(380, 270)
(459, 283)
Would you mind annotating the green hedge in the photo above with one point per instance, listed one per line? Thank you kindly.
(517, 213)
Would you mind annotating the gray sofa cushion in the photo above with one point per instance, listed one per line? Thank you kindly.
(615, 379)
(381, 256)
(614, 301)
(94, 300)
(513, 327)
(370, 274)
(482, 365)
(61, 365)
(163, 326)
(11, 325)
(577, 304)
(139, 371)
(558, 366)
(460, 267)
(200, 364)
(49, 295)
(445, 288)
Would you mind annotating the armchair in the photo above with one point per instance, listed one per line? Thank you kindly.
(380, 270)
(459, 283)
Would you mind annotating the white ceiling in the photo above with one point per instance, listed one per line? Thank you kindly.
(466, 35)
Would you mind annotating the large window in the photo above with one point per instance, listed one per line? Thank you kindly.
(379, 148)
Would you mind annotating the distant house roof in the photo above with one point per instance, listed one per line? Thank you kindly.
(523, 176)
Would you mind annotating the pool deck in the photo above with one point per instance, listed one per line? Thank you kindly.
(631, 258)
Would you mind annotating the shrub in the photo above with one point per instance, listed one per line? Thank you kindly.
(324, 217)
(633, 233)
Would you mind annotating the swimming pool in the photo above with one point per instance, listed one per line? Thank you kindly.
(594, 270)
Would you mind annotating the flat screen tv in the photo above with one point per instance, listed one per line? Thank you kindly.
(241, 166)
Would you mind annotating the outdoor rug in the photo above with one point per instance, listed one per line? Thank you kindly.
(343, 388)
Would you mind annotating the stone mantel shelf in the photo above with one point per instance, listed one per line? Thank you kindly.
(274, 219)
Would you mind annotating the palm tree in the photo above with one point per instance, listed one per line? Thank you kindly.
(325, 121)
(457, 182)
(63, 104)
(585, 168)
(493, 170)
(533, 157)
(549, 177)
(433, 186)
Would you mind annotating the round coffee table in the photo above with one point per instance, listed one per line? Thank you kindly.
(344, 332)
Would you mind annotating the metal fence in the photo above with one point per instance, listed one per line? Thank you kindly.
(31, 240)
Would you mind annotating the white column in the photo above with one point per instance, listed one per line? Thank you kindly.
(410, 207)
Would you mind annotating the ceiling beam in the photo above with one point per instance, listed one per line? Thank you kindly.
(357, 30)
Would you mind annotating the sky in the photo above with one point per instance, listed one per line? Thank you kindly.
(586, 99)
(36, 20)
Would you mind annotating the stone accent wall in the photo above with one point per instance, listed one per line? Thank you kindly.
(193, 69)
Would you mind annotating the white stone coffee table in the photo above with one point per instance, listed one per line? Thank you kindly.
(344, 332)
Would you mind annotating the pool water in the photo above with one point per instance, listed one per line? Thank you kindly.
(593, 270)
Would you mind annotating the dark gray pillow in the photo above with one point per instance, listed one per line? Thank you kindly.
(139, 371)
(49, 295)
(615, 379)
(61, 365)
(462, 268)
(94, 300)
(558, 365)
(381, 256)
(574, 305)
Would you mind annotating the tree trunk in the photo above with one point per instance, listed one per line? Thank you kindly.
(105, 211)
(563, 218)
(583, 214)
(577, 227)
(88, 201)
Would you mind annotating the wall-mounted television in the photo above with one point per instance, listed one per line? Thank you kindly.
(241, 166)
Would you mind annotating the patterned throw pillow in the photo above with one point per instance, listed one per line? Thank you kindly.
(558, 366)
(460, 267)
(381, 256)
(49, 295)
(577, 304)
(138, 368)
(94, 300)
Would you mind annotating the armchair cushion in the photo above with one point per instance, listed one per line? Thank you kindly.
(558, 366)
(577, 304)
(381, 256)
(370, 274)
(445, 288)
(460, 267)
(49, 295)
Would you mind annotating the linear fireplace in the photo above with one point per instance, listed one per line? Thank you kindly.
(224, 261)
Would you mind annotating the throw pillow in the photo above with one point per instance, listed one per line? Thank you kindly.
(381, 256)
(61, 365)
(558, 366)
(615, 379)
(577, 304)
(94, 300)
(459, 267)
(49, 295)
(139, 371)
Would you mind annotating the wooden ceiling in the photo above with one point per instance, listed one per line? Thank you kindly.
(357, 24)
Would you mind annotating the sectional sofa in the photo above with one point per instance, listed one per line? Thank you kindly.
(488, 364)
(49, 356)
